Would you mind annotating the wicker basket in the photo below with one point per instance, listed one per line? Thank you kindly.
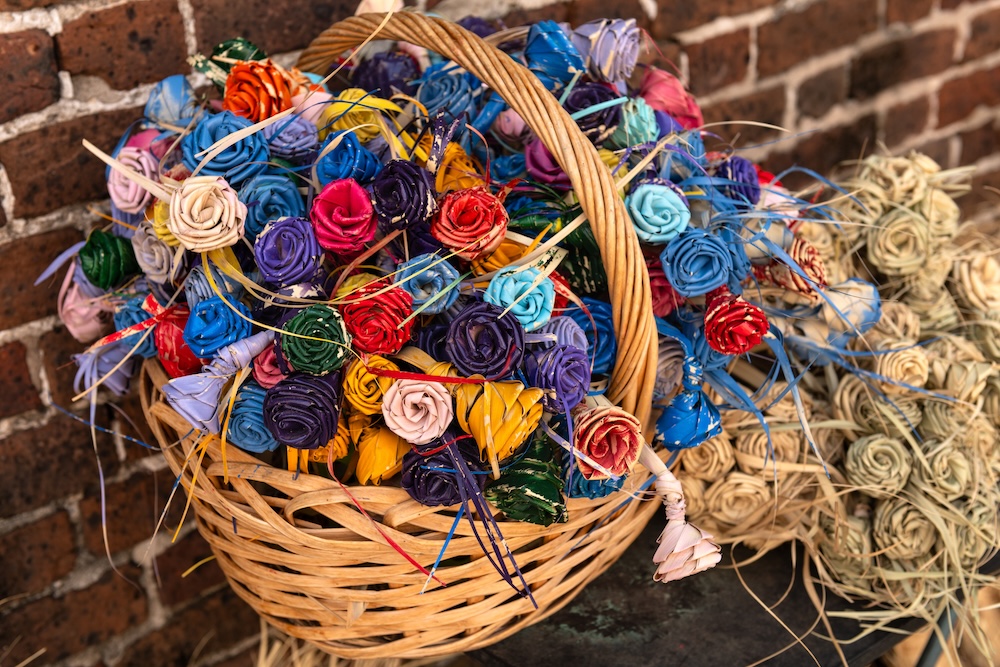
(345, 589)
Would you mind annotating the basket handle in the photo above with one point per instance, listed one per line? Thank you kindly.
(632, 379)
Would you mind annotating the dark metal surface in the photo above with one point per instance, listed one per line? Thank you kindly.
(624, 618)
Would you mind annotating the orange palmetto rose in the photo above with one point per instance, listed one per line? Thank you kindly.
(257, 90)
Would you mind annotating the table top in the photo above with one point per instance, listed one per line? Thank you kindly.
(624, 617)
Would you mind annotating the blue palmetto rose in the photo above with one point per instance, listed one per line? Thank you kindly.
(129, 313)
(295, 139)
(246, 423)
(214, 324)
(740, 180)
(509, 167)
(269, 197)
(349, 159)
(529, 296)
(424, 277)
(602, 346)
(197, 288)
(551, 55)
(447, 92)
(171, 103)
(241, 161)
(658, 211)
(696, 262)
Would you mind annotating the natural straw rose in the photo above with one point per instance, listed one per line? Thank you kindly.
(417, 411)
(127, 195)
(206, 214)
(902, 530)
(709, 461)
(878, 465)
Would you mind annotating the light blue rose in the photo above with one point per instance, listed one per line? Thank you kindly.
(659, 213)
(531, 303)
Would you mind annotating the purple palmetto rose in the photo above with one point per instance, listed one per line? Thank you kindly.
(481, 342)
(287, 252)
(403, 195)
(294, 139)
(562, 372)
(386, 73)
(301, 411)
(432, 479)
(596, 125)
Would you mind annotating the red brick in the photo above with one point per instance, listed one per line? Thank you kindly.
(125, 45)
(20, 5)
(822, 92)
(21, 262)
(764, 106)
(824, 150)
(133, 507)
(901, 60)
(675, 16)
(558, 12)
(582, 11)
(275, 27)
(45, 552)
(984, 35)
(3, 216)
(31, 81)
(938, 150)
(138, 428)
(172, 564)
(980, 142)
(71, 174)
(17, 394)
(58, 348)
(48, 463)
(905, 120)
(983, 196)
(907, 11)
(718, 62)
(952, 4)
(223, 619)
(67, 625)
(960, 97)
(796, 36)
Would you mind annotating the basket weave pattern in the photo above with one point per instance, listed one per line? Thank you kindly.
(344, 588)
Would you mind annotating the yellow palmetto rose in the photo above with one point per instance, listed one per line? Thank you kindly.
(499, 415)
(380, 455)
(356, 110)
(363, 389)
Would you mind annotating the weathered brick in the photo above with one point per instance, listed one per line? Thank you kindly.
(581, 11)
(822, 92)
(67, 625)
(675, 16)
(71, 173)
(21, 262)
(273, 26)
(907, 11)
(960, 97)
(903, 59)
(938, 150)
(58, 348)
(174, 562)
(984, 35)
(125, 45)
(45, 552)
(763, 106)
(20, 5)
(47, 463)
(133, 507)
(31, 81)
(952, 4)
(558, 12)
(983, 196)
(719, 61)
(796, 36)
(223, 619)
(980, 142)
(823, 151)
(905, 120)
(17, 394)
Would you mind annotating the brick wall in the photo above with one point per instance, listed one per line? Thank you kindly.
(838, 75)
